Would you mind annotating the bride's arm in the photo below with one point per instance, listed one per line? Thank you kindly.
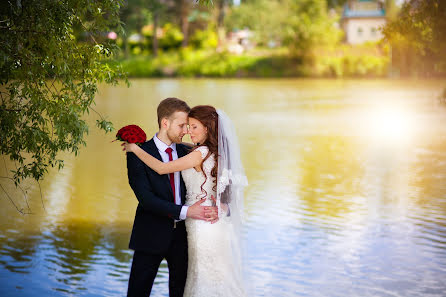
(188, 161)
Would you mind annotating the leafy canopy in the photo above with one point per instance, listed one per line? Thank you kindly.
(299, 25)
(421, 26)
(52, 57)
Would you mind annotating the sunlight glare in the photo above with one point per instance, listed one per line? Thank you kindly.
(390, 124)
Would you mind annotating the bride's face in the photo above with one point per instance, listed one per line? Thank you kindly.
(197, 131)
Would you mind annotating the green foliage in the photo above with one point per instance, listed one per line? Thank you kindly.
(204, 39)
(350, 66)
(341, 61)
(139, 67)
(370, 59)
(49, 77)
(335, 3)
(135, 13)
(224, 65)
(172, 37)
(248, 15)
(299, 29)
(299, 25)
(417, 36)
(391, 9)
(308, 25)
(188, 63)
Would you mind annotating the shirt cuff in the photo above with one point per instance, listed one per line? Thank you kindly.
(183, 213)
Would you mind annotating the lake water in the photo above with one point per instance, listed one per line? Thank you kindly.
(347, 193)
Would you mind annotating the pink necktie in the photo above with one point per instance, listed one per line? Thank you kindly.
(171, 175)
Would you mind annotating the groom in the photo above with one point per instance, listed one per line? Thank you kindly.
(159, 231)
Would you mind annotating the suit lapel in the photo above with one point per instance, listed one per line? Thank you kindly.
(153, 150)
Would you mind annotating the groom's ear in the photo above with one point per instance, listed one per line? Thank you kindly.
(164, 123)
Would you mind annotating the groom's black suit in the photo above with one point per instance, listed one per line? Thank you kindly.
(154, 235)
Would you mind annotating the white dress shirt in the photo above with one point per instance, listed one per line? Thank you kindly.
(165, 156)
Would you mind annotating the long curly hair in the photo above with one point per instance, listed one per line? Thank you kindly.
(208, 116)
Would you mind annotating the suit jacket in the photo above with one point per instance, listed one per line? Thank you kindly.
(156, 211)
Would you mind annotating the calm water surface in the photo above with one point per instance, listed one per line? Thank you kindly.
(347, 193)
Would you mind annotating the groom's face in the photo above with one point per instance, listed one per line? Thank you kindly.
(177, 126)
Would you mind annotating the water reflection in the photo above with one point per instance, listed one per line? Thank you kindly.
(16, 253)
(72, 257)
(346, 195)
(331, 177)
(429, 172)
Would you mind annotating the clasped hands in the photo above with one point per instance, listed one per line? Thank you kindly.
(205, 213)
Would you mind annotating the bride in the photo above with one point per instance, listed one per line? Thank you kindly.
(212, 170)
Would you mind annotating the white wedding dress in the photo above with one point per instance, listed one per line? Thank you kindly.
(209, 273)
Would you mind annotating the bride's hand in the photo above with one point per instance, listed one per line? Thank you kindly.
(129, 147)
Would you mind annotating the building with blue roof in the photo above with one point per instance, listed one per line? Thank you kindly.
(362, 20)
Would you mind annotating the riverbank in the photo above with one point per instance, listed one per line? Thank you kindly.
(343, 61)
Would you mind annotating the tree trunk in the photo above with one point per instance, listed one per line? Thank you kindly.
(155, 29)
(221, 22)
(126, 45)
(184, 12)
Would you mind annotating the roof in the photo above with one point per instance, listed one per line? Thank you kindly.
(363, 13)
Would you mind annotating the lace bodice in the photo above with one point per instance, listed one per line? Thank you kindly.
(194, 179)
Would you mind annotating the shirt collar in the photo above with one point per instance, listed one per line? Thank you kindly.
(162, 146)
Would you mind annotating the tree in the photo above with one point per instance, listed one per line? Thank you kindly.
(418, 34)
(336, 3)
(308, 25)
(299, 25)
(222, 6)
(184, 9)
(421, 28)
(391, 9)
(269, 28)
(138, 13)
(134, 15)
(52, 57)
(157, 7)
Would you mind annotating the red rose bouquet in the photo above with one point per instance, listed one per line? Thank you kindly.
(131, 134)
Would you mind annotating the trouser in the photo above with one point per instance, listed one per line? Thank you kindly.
(145, 267)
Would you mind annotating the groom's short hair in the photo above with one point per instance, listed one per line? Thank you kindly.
(169, 106)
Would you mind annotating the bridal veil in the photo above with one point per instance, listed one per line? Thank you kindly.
(231, 181)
